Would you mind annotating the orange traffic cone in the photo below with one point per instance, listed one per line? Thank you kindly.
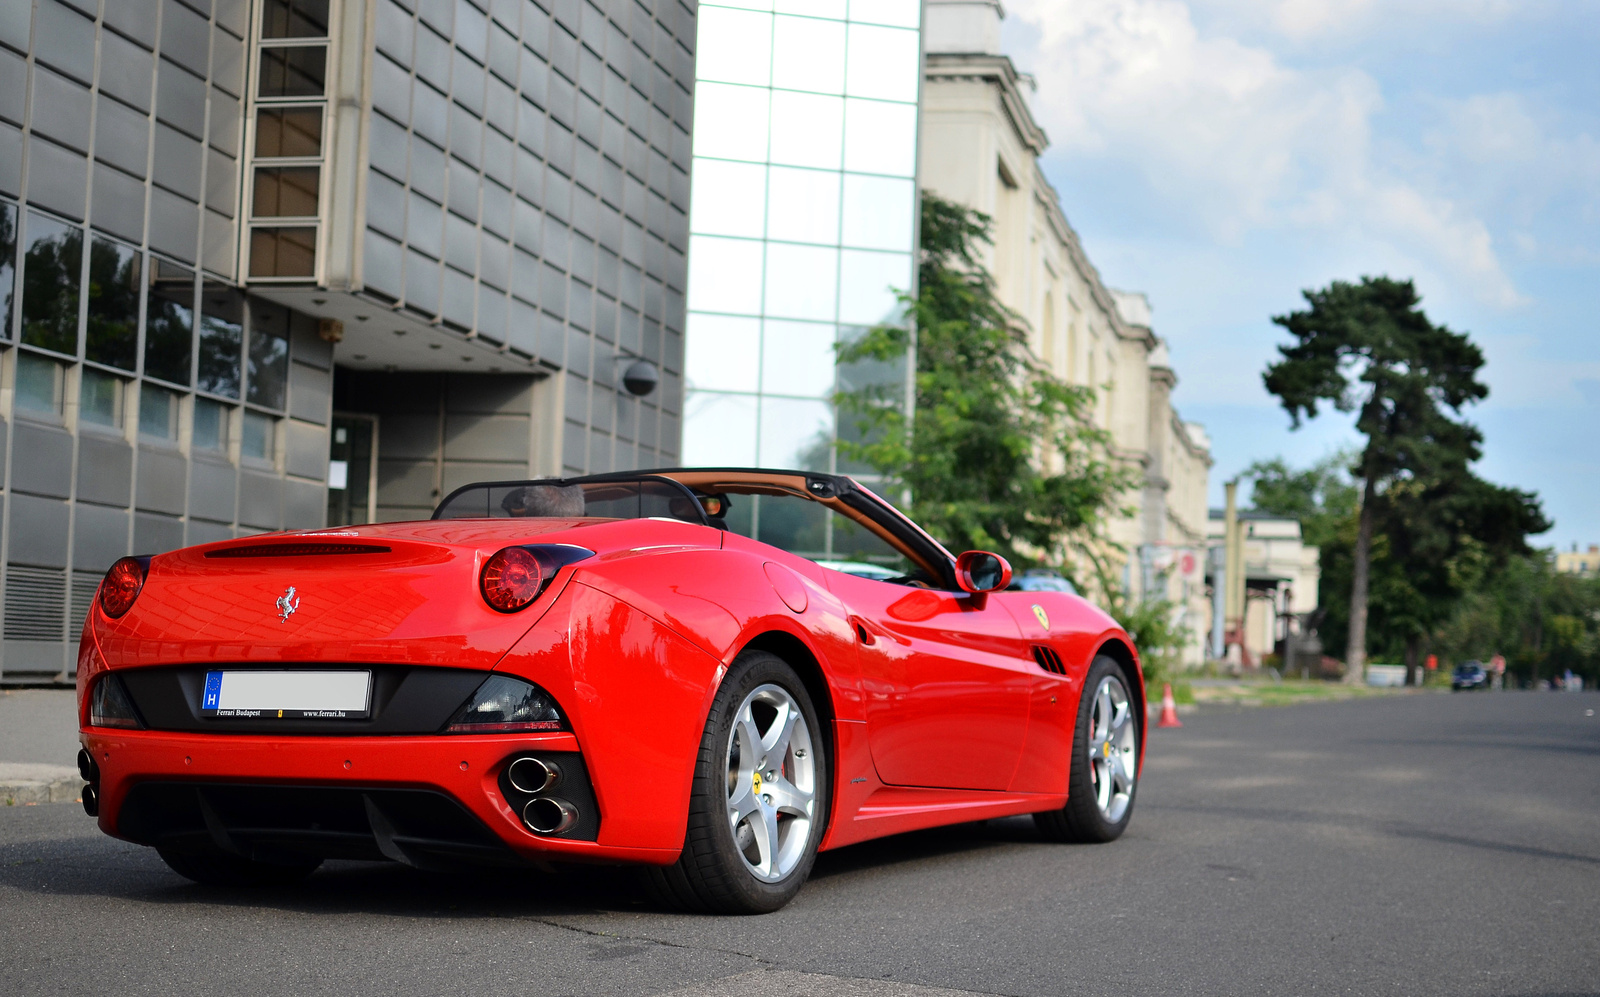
(1169, 708)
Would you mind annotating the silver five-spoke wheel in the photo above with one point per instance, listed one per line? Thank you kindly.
(1113, 742)
(772, 782)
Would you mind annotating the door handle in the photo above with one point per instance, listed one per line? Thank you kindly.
(862, 633)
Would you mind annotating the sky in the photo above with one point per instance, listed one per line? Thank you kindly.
(1223, 155)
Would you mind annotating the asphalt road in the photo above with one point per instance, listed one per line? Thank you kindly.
(1425, 844)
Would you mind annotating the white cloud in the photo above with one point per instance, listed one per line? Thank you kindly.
(1229, 137)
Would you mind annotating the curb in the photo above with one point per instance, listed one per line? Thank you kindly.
(28, 792)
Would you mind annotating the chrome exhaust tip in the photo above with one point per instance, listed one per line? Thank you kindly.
(532, 775)
(548, 815)
(91, 801)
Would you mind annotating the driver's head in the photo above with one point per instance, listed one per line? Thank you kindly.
(545, 501)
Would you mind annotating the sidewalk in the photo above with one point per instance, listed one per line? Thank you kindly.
(38, 746)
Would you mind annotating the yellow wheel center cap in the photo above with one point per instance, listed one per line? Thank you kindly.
(1108, 749)
(755, 778)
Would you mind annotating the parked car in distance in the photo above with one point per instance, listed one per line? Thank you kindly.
(1469, 675)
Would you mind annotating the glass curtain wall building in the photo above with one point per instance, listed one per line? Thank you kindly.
(803, 215)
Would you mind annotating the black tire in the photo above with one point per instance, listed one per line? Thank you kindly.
(712, 875)
(217, 868)
(1082, 820)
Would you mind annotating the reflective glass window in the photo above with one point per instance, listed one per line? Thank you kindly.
(899, 13)
(169, 321)
(8, 265)
(719, 430)
(158, 413)
(807, 129)
(288, 131)
(724, 275)
(210, 425)
(803, 205)
(870, 284)
(39, 384)
(878, 213)
(283, 252)
(221, 339)
(730, 122)
(257, 436)
(735, 46)
(100, 398)
(797, 358)
(884, 63)
(808, 54)
(801, 281)
(293, 72)
(50, 273)
(834, 9)
(722, 352)
(795, 433)
(294, 19)
(728, 198)
(114, 282)
(286, 191)
(880, 137)
(269, 354)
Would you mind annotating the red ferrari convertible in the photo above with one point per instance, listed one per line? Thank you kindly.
(711, 673)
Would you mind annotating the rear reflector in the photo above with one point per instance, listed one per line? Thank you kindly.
(296, 550)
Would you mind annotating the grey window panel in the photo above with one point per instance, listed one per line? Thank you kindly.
(13, 87)
(222, 183)
(422, 284)
(636, 152)
(491, 314)
(427, 168)
(633, 199)
(260, 500)
(42, 461)
(466, 135)
(464, 182)
(528, 222)
(225, 130)
(492, 438)
(204, 532)
(425, 225)
(563, 100)
(305, 505)
(552, 338)
(38, 531)
(386, 146)
(507, 13)
(122, 136)
(63, 39)
(498, 156)
(487, 394)
(16, 25)
(586, 212)
(61, 109)
(227, 62)
(534, 79)
(613, 138)
(308, 450)
(670, 435)
(386, 205)
(125, 69)
(134, 18)
(563, 52)
(581, 258)
(161, 477)
(556, 242)
(433, 59)
(105, 468)
(536, 27)
(177, 162)
(627, 416)
(220, 243)
(504, 54)
(652, 297)
(460, 243)
(100, 536)
(557, 194)
(430, 114)
(628, 338)
(391, 89)
(56, 177)
(602, 402)
(180, 98)
(579, 346)
(497, 212)
(580, 305)
(574, 448)
(591, 75)
(494, 261)
(630, 291)
(605, 318)
(407, 436)
(599, 452)
(395, 29)
(305, 346)
(156, 534)
(382, 264)
(605, 271)
(457, 299)
(672, 351)
(467, 83)
(184, 36)
(523, 334)
(531, 127)
(439, 13)
(610, 234)
(118, 203)
(310, 392)
(232, 14)
(525, 276)
(586, 166)
(472, 32)
(576, 398)
(174, 224)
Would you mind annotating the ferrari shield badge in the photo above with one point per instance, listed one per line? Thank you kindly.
(287, 604)
(1044, 621)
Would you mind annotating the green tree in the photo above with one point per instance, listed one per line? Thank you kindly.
(1000, 455)
(1326, 503)
(1369, 348)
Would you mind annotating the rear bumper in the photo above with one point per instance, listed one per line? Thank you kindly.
(393, 781)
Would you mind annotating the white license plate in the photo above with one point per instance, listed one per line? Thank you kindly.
(297, 695)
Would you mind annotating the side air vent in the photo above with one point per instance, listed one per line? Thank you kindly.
(296, 550)
(1048, 659)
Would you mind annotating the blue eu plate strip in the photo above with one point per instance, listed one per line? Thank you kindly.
(213, 693)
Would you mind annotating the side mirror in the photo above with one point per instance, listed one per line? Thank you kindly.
(978, 571)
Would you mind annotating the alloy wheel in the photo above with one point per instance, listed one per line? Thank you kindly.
(1112, 748)
(772, 786)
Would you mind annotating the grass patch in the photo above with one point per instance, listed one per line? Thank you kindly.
(1269, 693)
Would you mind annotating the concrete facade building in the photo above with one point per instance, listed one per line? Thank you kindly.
(1576, 562)
(980, 147)
(276, 264)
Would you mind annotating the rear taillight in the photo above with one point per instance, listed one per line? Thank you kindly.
(514, 577)
(121, 586)
(111, 706)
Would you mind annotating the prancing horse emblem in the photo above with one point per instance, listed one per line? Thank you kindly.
(287, 604)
